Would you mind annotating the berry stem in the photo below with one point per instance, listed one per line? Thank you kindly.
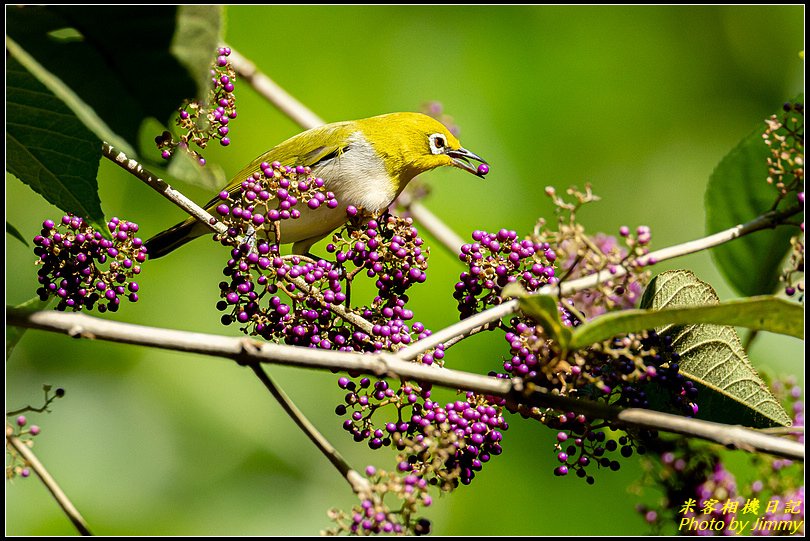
(162, 187)
(358, 483)
(61, 498)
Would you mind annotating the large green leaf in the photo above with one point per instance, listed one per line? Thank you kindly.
(195, 39)
(125, 63)
(737, 192)
(731, 390)
(49, 148)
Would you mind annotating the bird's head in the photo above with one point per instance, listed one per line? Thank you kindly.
(412, 143)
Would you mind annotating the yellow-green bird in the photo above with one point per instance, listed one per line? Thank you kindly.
(365, 163)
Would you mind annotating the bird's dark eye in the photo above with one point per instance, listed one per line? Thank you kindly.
(437, 143)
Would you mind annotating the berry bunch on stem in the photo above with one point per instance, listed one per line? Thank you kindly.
(82, 269)
(784, 136)
(201, 123)
(25, 432)
(617, 371)
(375, 515)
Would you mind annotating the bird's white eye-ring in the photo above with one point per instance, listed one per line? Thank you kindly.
(437, 143)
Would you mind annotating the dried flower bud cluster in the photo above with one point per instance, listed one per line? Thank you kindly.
(785, 138)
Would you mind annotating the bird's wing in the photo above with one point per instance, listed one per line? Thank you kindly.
(309, 148)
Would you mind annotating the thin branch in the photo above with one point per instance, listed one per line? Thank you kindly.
(472, 324)
(387, 364)
(59, 495)
(435, 226)
(730, 436)
(769, 220)
(463, 328)
(359, 484)
(162, 187)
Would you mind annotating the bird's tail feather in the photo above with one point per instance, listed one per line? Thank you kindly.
(171, 239)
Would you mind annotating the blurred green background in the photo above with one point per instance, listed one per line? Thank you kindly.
(642, 102)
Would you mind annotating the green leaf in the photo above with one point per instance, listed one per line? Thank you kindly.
(730, 389)
(764, 313)
(737, 192)
(119, 61)
(195, 41)
(49, 149)
(14, 334)
(543, 309)
(11, 230)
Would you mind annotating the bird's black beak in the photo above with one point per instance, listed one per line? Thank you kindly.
(461, 158)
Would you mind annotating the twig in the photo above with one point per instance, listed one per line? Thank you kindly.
(436, 227)
(387, 364)
(49, 482)
(508, 308)
(463, 328)
(162, 187)
(769, 220)
(359, 484)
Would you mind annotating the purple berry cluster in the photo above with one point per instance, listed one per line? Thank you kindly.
(292, 298)
(625, 371)
(469, 433)
(616, 372)
(496, 259)
(261, 298)
(388, 249)
(580, 446)
(201, 123)
(81, 268)
(274, 193)
(374, 515)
